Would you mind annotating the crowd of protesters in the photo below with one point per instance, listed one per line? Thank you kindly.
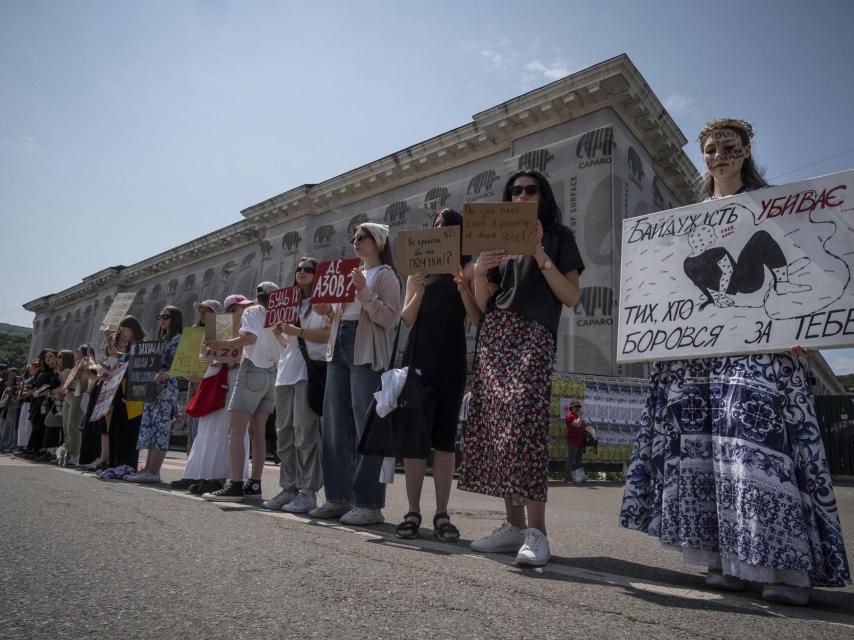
(698, 500)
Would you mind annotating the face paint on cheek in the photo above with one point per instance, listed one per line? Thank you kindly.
(733, 154)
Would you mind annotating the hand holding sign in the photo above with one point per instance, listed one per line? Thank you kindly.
(283, 306)
(333, 281)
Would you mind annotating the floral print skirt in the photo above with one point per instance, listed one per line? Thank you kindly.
(730, 468)
(157, 417)
(506, 442)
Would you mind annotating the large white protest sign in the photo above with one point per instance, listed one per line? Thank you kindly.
(117, 311)
(756, 272)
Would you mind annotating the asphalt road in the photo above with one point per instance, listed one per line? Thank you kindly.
(82, 558)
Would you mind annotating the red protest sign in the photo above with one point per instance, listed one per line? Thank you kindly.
(283, 306)
(332, 282)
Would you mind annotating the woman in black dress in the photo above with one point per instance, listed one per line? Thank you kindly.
(436, 307)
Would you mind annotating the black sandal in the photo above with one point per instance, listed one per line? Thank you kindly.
(410, 525)
(445, 531)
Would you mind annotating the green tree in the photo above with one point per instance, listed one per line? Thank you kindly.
(14, 349)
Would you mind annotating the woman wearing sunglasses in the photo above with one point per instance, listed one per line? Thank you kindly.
(157, 416)
(297, 425)
(506, 448)
(358, 351)
(436, 307)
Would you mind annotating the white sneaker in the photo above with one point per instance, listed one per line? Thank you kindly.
(362, 517)
(535, 551)
(330, 510)
(283, 498)
(303, 503)
(142, 477)
(504, 538)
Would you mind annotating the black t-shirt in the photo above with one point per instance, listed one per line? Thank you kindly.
(522, 287)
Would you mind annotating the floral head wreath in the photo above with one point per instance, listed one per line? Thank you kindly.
(726, 123)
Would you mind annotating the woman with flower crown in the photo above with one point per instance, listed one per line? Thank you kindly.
(750, 501)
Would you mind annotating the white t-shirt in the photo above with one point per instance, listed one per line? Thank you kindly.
(353, 310)
(265, 352)
(292, 367)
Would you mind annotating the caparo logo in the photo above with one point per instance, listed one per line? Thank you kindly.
(595, 301)
(157, 290)
(107, 302)
(172, 287)
(226, 270)
(140, 295)
(247, 261)
(266, 249)
(355, 221)
(291, 241)
(635, 164)
(599, 142)
(208, 276)
(435, 199)
(395, 213)
(481, 185)
(323, 234)
(537, 160)
(77, 315)
(190, 281)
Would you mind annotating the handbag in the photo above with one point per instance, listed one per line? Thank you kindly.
(406, 431)
(316, 379)
(210, 394)
(53, 417)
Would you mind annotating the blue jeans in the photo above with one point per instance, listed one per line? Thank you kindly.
(347, 475)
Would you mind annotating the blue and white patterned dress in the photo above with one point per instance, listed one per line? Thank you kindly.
(729, 466)
(157, 416)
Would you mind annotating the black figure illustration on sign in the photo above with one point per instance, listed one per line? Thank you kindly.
(720, 276)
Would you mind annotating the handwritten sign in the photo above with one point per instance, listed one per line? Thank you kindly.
(428, 251)
(144, 363)
(186, 362)
(224, 327)
(71, 375)
(108, 392)
(283, 306)
(511, 226)
(332, 282)
(756, 272)
(117, 311)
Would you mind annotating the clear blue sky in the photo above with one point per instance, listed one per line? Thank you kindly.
(127, 128)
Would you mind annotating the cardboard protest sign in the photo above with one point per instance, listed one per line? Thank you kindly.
(756, 272)
(428, 251)
(108, 392)
(117, 311)
(224, 327)
(144, 363)
(186, 362)
(283, 306)
(71, 375)
(511, 226)
(332, 282)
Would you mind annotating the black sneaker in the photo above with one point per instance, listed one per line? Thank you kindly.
(230, 492)
(183, 484)
(205, 486)
(252, 489)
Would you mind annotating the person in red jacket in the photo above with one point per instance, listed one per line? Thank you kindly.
(574, 439)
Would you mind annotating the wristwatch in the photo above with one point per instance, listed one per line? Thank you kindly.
(547, 265)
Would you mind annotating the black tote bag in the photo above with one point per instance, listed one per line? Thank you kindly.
(406, 431)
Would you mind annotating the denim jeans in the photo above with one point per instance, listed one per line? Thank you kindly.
(347, 475)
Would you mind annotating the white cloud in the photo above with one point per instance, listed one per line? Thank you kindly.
(498, 60)
(27, 145)
(677, 103)
(557, 70)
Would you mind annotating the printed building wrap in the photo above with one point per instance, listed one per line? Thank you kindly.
(603, 139)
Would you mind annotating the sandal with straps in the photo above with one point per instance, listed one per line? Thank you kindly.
(410, 525)
(445, 531)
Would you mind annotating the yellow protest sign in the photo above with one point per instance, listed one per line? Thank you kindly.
(186, 362)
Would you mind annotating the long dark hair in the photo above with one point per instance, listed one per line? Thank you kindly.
(43, 356)
(66, 359)
(176, 324)
(453, 218)
(313, 262)
(751, 177)
(136, 328)
(548, 212)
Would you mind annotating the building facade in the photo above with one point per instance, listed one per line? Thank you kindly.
(607, 145)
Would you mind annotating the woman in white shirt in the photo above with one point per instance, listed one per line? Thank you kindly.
(297, 424)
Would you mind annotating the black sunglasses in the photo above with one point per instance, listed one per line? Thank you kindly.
(163, 316)
(305, 269)
(530, 189)
(358, 238)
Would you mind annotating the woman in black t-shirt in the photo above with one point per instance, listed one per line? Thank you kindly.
(506, 449)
